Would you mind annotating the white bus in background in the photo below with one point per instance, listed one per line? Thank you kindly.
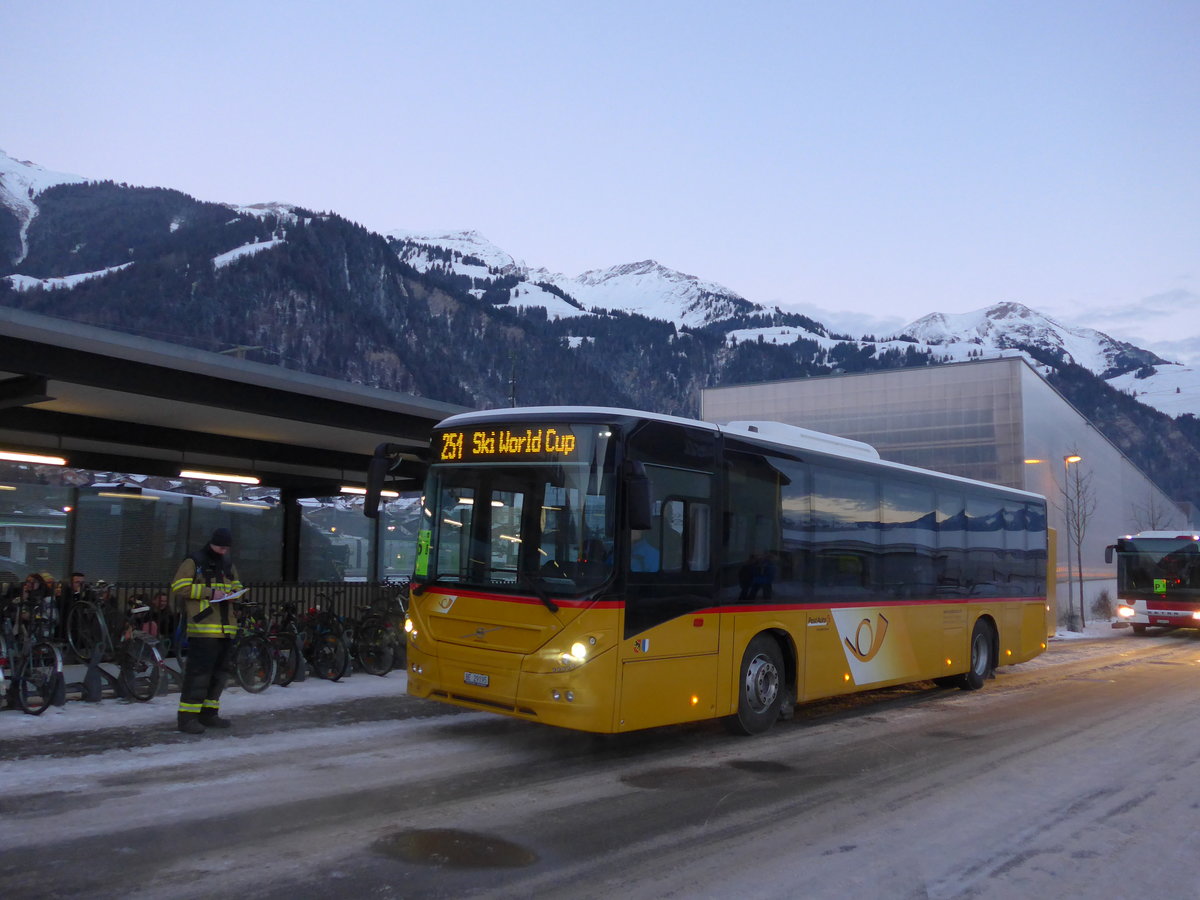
(1158, 579)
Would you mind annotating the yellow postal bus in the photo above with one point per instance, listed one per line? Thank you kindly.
(610, 570)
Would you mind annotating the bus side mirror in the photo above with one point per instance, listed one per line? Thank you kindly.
(386, 457)
(640, 504)
(1108, 552)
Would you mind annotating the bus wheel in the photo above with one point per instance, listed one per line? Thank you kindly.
(1138, 629)
(760, 687)
(982, 663)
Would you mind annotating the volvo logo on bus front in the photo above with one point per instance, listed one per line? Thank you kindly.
(480, 633)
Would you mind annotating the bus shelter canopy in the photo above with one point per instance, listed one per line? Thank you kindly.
(109, 401)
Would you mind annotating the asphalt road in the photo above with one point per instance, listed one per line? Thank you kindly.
(1073, 775)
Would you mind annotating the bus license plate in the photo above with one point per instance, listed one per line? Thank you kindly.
(477, 680)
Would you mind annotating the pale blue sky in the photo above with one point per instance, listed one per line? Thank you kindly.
(888, 159)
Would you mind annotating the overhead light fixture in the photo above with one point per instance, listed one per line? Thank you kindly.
(13, 456)
(350, 489)
(246, 505)
(126, 495)
(218, 476)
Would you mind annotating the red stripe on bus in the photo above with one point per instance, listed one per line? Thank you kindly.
(756, 608)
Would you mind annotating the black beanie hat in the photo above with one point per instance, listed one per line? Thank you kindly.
(221, 538)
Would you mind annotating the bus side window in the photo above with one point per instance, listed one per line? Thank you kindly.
(680, 537)
(685, 536)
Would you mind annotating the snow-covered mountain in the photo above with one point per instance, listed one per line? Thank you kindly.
(1168, 387)
(20, 182)
(1004, 325)
(649, 289)
(645, 288)
(653, 290)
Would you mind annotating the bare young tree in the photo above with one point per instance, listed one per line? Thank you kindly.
(1155, 515)
(1078, 506)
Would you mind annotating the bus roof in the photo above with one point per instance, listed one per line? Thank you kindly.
(779, 434)
(1165, 535)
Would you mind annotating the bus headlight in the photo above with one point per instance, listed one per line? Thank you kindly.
(580, 650)
(1125, 611)
(1196, 615)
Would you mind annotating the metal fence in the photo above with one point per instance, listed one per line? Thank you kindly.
(345, 598)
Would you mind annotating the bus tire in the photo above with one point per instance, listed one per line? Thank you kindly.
(760, 687)
(983, 662)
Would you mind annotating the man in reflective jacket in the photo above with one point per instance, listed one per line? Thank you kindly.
(202, 582)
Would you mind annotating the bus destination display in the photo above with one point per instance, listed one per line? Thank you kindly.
(547, 443)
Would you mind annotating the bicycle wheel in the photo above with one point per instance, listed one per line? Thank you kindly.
(141, 668)
(254, 664)
(37, 678)
(328, 657)
(376, 649)
(288, 656)
(84, 630)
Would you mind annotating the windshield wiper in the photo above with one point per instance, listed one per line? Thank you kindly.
(535, 586)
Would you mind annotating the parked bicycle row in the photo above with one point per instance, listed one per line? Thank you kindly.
(113, 640)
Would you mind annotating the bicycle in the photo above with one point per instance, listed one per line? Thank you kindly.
(324, 644)
(250, 660)
(87, 624)
(380, 634)
(36, 663)
(284, 637)
(140, 662)
(137, 656)
(252, 656)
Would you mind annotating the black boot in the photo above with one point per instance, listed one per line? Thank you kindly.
(210, 719)
(189, 723)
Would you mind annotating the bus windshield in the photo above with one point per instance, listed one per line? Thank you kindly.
(1158, 565)
(544, 523)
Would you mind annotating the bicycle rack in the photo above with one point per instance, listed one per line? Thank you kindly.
(174, 678)
(91, 689)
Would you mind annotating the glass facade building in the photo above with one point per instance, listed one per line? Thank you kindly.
(137, 529)
(992, 420)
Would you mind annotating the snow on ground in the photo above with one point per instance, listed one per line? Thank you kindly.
(1100, 628)
(77, 715)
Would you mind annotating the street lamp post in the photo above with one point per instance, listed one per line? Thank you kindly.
(1067, 513)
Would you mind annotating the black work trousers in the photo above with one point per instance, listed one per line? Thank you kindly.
(204, 673)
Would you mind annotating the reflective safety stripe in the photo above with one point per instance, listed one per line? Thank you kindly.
(190, 707)
(211, 704)
(212, 629)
